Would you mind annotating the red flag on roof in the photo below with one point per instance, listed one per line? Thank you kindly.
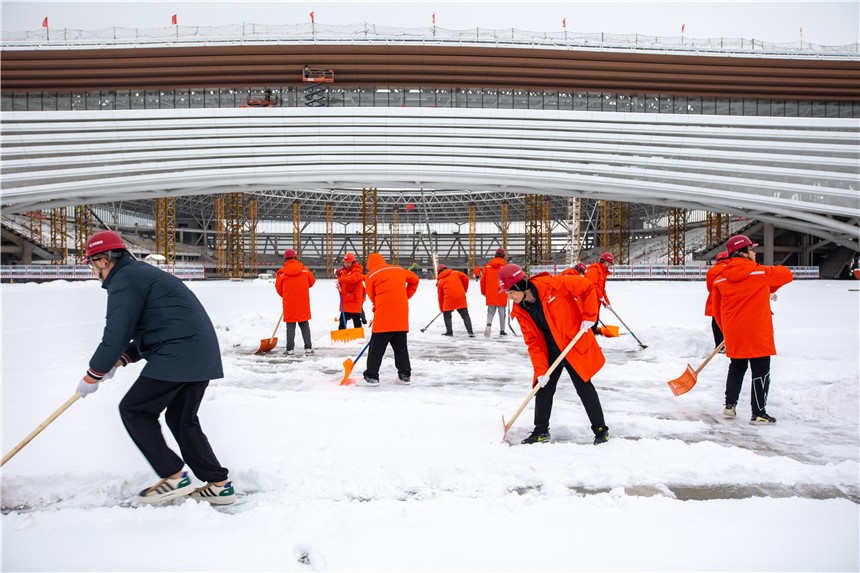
(434, 17)
(45, 22)
(312, 16)
(682, 27)
(173, 20)
(564, 23)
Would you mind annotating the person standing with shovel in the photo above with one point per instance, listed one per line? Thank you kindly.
(598, 273)
(496, 302)
(552, 310)
(451, 287)
(293, 282)
(169, 328)
(350, 284)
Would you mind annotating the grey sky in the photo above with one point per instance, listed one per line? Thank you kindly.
(829, 23)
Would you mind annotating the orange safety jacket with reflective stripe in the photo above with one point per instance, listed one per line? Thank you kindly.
(712, 275)
(293, 282)
(389, 288)
(451, 287)
(351, 283)
(597, 273)
(567, 300)
(490, 283)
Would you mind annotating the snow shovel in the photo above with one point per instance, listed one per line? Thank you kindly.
(41, 427)
(537, 386)
(608, 330)
(627, 327)
(349, 364)
(687, 380)
(346, 334)
(431, 322)
(268, 344)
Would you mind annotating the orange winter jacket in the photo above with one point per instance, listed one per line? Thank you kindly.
(490, 283)
(741, 305)
(293, 283)
(351, 285)
(451, 286)
(477, 271)
(597, 273)
(389, 288)
(567, 300)
(712, 275)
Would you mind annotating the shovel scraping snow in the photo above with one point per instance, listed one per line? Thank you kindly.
(685, 382)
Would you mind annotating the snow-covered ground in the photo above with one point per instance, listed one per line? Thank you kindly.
(414, 478)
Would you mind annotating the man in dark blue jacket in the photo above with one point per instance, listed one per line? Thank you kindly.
(152, 315)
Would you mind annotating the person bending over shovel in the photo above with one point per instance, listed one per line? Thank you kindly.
(551, 311)
(169, 328)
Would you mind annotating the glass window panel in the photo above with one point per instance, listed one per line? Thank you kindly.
(792, 108)
(580, 102)
(506, 99)
(709, 106)
(136, 100)
(777, 108)
(666, 104)
(428, 98)
(610, 102)
(845, 109)
(736, 107)
(79, 102)
(121, 100)
(763, 108)
(198, 98)
(832, 109)
(151, 99)
(6, 102)
(565, 101)
(535, 100)
(49, 101)
(521, 99)
(64, 102)
(680, 104)
(595, 102)
(491, 98)
(694, 104)
(750, 107)
(413, 98)
(475, 98)
(211, 97)
(166, 99)
(550, 100)
(34, 101)
(443, 98)
(623, 103)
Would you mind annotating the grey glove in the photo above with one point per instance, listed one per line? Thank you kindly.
(85, 388)
(542, 380)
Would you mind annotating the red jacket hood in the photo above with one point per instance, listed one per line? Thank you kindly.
(738, 269)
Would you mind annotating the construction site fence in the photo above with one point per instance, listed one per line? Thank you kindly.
(365, 32)
(12, 273)
(668, 272)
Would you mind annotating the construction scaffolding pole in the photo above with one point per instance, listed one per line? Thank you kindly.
(59, 239)
(253, 263)
(717, 228)
(35, 226)
(605, 225)
(505, 224)
(329, 240)
(395, 237)
(533, 229)
(297, 227)
(621, 232)
(220, 236)
(368, 222)
(677, 229)
(165, 228)
(235, 234)
(473, 237)
(574, 214)
(83, 230)
(546, 228)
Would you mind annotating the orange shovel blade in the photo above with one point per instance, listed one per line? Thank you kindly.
(347, 334)
(267, 344)
(609, 331)
(685, 382)
(348, 365)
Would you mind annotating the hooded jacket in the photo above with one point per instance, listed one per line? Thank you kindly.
(712, 275)
(451, 287)
(389, 288)
(293, 282)
(598, 273)
(351, 284)
(490, 283)
(567, 300)
(741, 305)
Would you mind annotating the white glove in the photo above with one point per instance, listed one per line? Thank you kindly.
(85, 388)
(586, 324)
(773, 296)
(109, 375)
(542, 380)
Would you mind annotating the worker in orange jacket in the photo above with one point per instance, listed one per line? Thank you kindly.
(451, 287)
(741, 307)
(350, 284)
(477, 273)
(551, 311)
(597, 273)
(389, 288)
(293, 282)
(712, 275)
(496, 302)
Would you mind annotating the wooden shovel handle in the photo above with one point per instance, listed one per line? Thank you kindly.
(549, 371)
(711, 355)
(41, 427)
(277, 326)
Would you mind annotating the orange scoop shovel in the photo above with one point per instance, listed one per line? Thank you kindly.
(268, 344)
(349, 364)
(685, 382)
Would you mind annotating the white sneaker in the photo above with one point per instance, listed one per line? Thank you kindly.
(730, 411)
(166, 490)
(309, 352)
(215, 494)
(488, 331)
(368, 382)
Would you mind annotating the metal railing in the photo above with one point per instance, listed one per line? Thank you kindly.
(12, 273)
(669, 272)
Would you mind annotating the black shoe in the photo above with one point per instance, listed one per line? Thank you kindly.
(447, 334)
(601, 436)
(471, 335)
(537, 438)
(762, 420)
(503, 333)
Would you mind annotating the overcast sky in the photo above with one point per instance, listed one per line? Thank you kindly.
(829, 23)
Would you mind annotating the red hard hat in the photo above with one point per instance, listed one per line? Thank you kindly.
(722, 255)
(441, 268)
(509, 275)
(349, 258)
(580, 267)
(500, 252)
(738, 242)
(608, 257)
(290, 254)
(104, 241)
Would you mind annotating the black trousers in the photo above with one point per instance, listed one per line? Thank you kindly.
(140, 408)
(464, 314)
(718, 334)
(760, 382)
(344, 316)
(291, 334)
(379, 341)
(586, 391)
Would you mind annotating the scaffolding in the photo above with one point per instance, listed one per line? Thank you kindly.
(676, 228)
(165, 228)
(717, 228)
(35, 218)
(534, 229)
(234, 206)
(329, 240)
(505, 224)
(368, 222)
(252, 237)
(83, 229)
(220, 237)
(297, 228)
(395, 236)
(546, 226)
(620, 243)
(472, 255)
(59, 239)
(574, 215)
